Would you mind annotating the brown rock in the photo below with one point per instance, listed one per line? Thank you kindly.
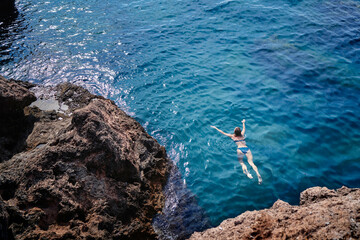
(93, 175)
(13, 96)
(14, 125)
(316, 194)
(323, 214)
(74, 96)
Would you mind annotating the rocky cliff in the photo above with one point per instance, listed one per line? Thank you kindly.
(74, 166)
(14, 125)
(322, 214)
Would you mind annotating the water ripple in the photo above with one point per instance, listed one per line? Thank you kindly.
(291, 68)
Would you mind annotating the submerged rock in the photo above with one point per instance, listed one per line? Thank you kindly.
(90, 172)
(181, 215)
(322, 214)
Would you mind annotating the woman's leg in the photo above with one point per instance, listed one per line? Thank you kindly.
(244, 168)
(250, 161)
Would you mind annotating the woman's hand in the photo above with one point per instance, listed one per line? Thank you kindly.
(243, 121)
(213, 127)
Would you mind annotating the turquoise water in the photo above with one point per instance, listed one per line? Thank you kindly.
(290, 68)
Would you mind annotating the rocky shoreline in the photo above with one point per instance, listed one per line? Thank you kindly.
(75, 166)
(82, 170)
(322, 214)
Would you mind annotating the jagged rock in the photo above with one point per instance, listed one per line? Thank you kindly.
(13, 96)
(91, 174)
(74, 96)
(14, 125)
(323, 214)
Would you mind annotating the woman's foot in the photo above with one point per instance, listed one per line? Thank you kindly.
(248, 174)
(259, 179)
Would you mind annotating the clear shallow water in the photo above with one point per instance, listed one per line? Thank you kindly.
(290, 68)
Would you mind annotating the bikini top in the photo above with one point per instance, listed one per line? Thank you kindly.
(243, 140)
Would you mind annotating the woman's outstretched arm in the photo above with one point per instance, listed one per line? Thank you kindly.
(243, 130)
(226, 134)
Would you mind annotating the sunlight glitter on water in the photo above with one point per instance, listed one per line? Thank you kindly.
(291, 69)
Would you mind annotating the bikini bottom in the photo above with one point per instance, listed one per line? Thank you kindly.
(244, 150)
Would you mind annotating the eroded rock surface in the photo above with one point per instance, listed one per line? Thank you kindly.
(91, 173)
(322, 214)
(14, 125)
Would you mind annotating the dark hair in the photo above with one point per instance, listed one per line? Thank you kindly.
(237, 132)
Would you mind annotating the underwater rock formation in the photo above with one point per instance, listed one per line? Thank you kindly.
(181, 216)
(322, 214)
(87, 170)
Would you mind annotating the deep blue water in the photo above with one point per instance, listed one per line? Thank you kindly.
(290, 68)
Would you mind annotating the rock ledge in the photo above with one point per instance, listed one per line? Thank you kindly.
(322, 214)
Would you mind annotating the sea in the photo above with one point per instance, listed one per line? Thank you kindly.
(290, 68)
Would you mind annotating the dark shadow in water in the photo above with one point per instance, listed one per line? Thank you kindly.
(8, 25)
(181, 214)
(293, 2)
(8, 12)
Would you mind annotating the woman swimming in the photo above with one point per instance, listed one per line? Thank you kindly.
(242, 150)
